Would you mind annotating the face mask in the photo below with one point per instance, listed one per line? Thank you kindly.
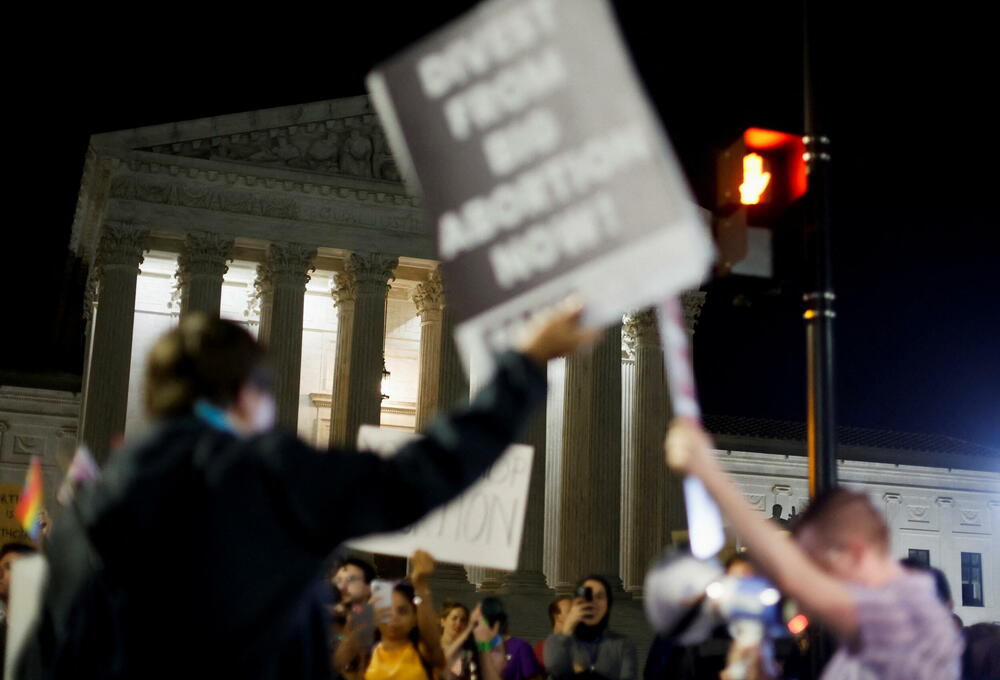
(265, 413)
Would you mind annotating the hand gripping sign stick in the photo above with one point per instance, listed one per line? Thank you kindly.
(705, 532)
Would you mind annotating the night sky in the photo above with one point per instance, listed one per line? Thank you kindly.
(905, 100)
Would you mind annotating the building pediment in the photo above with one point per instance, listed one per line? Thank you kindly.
(319, 174)
(335, 137)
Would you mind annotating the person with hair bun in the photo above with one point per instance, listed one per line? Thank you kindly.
(250, 513)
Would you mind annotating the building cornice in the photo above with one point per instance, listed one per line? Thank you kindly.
(778, 466)
(234, 123)
(325, 163)
(324, 211)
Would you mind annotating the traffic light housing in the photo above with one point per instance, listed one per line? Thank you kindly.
(758, 178)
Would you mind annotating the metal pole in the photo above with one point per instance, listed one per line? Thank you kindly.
(819, 298)
(819, 312)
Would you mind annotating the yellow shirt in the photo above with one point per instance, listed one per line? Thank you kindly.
(400, 664)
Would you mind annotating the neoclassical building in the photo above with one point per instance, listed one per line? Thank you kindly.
(293, 221)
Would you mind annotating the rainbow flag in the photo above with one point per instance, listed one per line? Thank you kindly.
(29, 509)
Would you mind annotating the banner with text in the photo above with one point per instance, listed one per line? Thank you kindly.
(542, 167)
(11, 530)
(483, 526)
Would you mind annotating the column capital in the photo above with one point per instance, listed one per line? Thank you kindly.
(203, 254)
(639, 328)
(343, 290)
(429, 295)
(286, 265)
(371, 269)
(121, 245)
(692, 300)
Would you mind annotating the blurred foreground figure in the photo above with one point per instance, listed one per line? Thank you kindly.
(9, 553)
(839, 569)
(198, 552)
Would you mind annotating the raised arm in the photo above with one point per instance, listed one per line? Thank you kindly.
(339, 495)
(484, 635)
(454, 650)
(689, 450)
(350, 656)
(421, 568)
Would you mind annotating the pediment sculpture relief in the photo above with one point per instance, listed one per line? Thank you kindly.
(346, 146)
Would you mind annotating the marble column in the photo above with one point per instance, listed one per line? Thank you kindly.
(441, 385)
(443, 382)
(360, 292)
(200, 268)
(453, 384)
(525, 590)
(281, 285)
(429, 300)
(583, 465)
(529, 579)
(644, 490)
(652, 498)
(343, 299)
(487, 581)
(111, 307)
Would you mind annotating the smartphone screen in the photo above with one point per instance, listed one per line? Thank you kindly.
(382, 594)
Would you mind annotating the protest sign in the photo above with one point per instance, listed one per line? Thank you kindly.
(542, 168)
(483, 526)
(11, 530)
(28, 578)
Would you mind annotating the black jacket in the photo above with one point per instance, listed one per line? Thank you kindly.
(204, 548)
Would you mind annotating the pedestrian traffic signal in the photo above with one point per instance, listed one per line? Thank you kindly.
(755, 179)
(763, 170)
(759, 176)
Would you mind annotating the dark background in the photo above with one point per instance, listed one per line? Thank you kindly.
(904, 93)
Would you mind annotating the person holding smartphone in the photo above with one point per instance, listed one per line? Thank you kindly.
(409, 636)
(585, 647)
(390, 636)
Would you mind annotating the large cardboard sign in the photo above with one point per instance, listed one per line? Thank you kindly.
(542, 166)
(483, 526)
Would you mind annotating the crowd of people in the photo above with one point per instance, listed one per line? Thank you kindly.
(414, 641)
(410, 640)
(198, 552)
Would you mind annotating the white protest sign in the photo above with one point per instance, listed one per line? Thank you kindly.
(705, 530)
(483, 526)
(542, 166)
(28, 577)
